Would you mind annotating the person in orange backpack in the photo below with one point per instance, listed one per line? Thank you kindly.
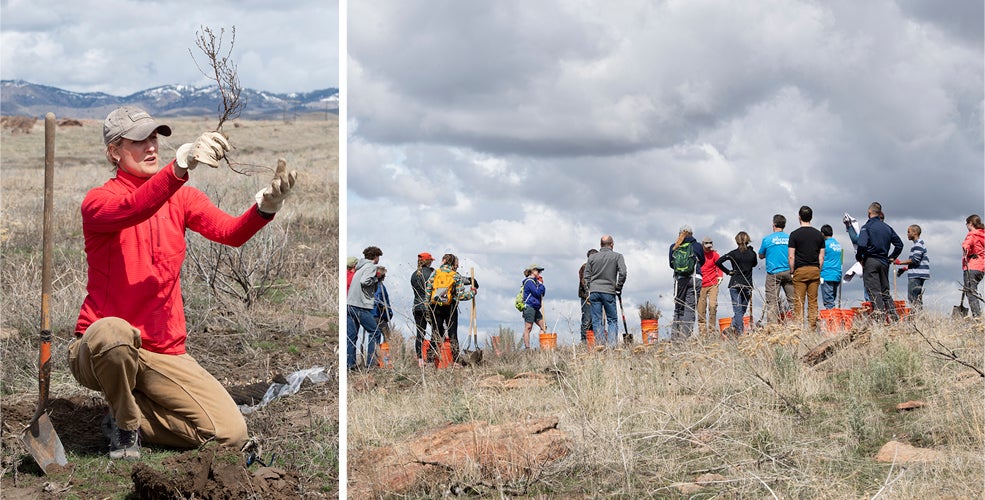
(446, 288)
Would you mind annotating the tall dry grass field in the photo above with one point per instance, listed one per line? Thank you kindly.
(648, 422)
(250, 311)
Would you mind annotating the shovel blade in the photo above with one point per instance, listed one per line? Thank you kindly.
(42, 441)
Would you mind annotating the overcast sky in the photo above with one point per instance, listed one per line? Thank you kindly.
(515, 132)
(125, 46)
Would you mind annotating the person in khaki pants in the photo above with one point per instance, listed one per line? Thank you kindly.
(711, 278)
(131, 330)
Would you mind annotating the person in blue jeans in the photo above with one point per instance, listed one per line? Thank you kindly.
(830, 268)
(605, 275)
(743, 260)
(360, 302)
(586, 305)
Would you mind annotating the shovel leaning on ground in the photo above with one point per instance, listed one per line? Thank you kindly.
(473, 356)
(40, 437)
(627, 337)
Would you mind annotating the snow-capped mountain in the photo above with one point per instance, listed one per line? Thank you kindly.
(18, 97)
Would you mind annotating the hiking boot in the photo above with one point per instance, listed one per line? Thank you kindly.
(123, 444)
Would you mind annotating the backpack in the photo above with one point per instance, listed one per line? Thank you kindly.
(443, 290)
(683, 259)
(521, 302)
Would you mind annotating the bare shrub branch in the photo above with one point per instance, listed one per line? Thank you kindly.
(223, 71)
(938, 348)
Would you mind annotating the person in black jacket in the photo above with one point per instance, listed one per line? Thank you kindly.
(743, 260)
(423, 315)
(874, 241)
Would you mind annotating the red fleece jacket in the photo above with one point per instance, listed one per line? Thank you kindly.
(973, 250)
(134, 232)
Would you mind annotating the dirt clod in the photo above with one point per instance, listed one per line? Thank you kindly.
(214, 474)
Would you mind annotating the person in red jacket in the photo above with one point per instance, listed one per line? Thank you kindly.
(711, 277)
(973, 261)
(131, 329)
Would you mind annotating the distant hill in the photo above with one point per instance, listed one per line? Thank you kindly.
(20, 98)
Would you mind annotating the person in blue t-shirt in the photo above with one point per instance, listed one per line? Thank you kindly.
(831, 268)
(775, 252)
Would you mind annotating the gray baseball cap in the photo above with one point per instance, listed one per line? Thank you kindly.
(131, 122)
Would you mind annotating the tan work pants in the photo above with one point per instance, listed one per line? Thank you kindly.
(806, 280)
(172, 399)
(708, 303)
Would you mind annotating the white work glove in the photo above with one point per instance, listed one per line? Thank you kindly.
(209, 148)
(271, 198)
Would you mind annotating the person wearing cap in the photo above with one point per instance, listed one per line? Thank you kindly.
(131, 329)
(533, 297)
(350, 271)
(774, 250)
(423, 316)
(586, 305)
(684, 283)
(605, 275)
(711, 278)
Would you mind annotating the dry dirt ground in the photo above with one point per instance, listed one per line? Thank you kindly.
(292, 327)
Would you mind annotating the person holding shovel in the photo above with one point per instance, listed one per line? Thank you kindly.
(533, 297)
(130, 335)
(446, 288)
(605, 275)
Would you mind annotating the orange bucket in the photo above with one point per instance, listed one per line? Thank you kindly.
(425, 347)
(649, 327)
(548, 341)
(445, 360)
(846, 317)
(831, 319)
(867, 307)
(590, 338)
(900, 308)
(383, 356)
(724, 323)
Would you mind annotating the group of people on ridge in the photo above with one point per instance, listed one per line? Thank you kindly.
(437, 294)
(802, 264)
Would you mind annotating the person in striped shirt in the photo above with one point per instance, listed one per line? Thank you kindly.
(917, 267)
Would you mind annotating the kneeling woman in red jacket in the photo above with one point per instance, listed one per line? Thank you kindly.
(131, 328)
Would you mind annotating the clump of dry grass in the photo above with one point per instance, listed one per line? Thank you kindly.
(645, 422)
